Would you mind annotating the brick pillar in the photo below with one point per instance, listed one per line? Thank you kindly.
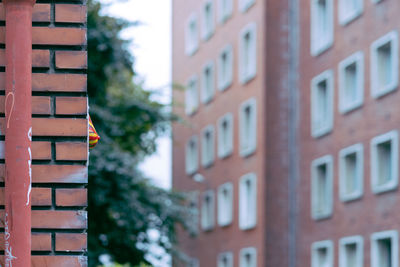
(60, 130)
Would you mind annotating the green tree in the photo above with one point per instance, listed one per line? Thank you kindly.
(123, 204)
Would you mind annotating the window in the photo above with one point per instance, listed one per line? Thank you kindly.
(351, 82)
(225, 136)
(192, 262)
(321, 25)
(225, 68)
(248, 257)
(384, 162)
(322, 187)
(192, 153)
(207, 86)
(351, 251)
(350, 10)
(225, 201)
(244, 5)
(207, 211)
(225, 9)
(194, 212)
(248, 53)
(208, 20)
(248, 127)
(384, 64)
(192, 96)
(384, 249)
(376, 1)
(207, 146)
(351, 163)
(248, 201)
(322, 104)
(225, 259)
(322, 254)
(191, 35)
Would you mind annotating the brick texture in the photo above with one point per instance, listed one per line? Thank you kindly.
(60, 129)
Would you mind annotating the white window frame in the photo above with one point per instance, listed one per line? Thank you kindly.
(247, 217)
(393, 38)
(319, 44)
(316, 214)
(208, 223)
(207, 95)
(344, 104)
(393, 137)
(358, 241)
(346, 14)
(225, 151)
(245, 5)
(194, 211)
(224, 14)
(394, 237)
(207, 160)
(358, 151)
(247, 251)
(225, 255)
(192, 164)
(192, 96)
(191, 42)
(193, 262)
(225, 206)
(319, 129)
(326, 244)
(225, 82)
(248, 147)
(208, 27)
(247, 74)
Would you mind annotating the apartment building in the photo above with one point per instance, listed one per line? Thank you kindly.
(289, 132)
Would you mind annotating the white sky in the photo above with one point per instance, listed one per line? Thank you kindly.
(152, 51)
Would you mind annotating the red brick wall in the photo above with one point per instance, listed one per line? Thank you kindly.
(60, 150)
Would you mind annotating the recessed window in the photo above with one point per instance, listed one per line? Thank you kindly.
(225, 204)
(322, 187)
(192, 154)
(385, 64)
(322, 254)
(192, 262)
(351, 251)
(244, 5)
(192, 96)
(207, 85)
(225, 68)
(351, 82)
(384, 162)
(248, 53)
(225, 9)
(385, 249)
(208, 20)
(191, 35)
(225, 136)
(248, 127)
(248, 257)
(351, 163)
(194, 212)
(321, 25)
(207, 211)
(322, 104)
(207, 146)
(225, 259)
(350, 10)
(248, 201)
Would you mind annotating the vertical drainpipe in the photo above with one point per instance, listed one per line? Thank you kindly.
(18, 136)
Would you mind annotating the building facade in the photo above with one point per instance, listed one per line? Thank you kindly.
(289, 132)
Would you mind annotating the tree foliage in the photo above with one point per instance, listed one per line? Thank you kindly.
(123, 204)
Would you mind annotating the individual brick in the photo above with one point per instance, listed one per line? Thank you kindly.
(71, 151)
(58, 82)
(71, 197)
(40, 58)
(59, 219)
(40, 196)
(59, 127)
(40, 150)
(71, 59)
(71, 105)
(40, 242)
(71, 242)
(57, 36)
(59, 173)
(41, 13)
(41, 105)
(70, 13)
